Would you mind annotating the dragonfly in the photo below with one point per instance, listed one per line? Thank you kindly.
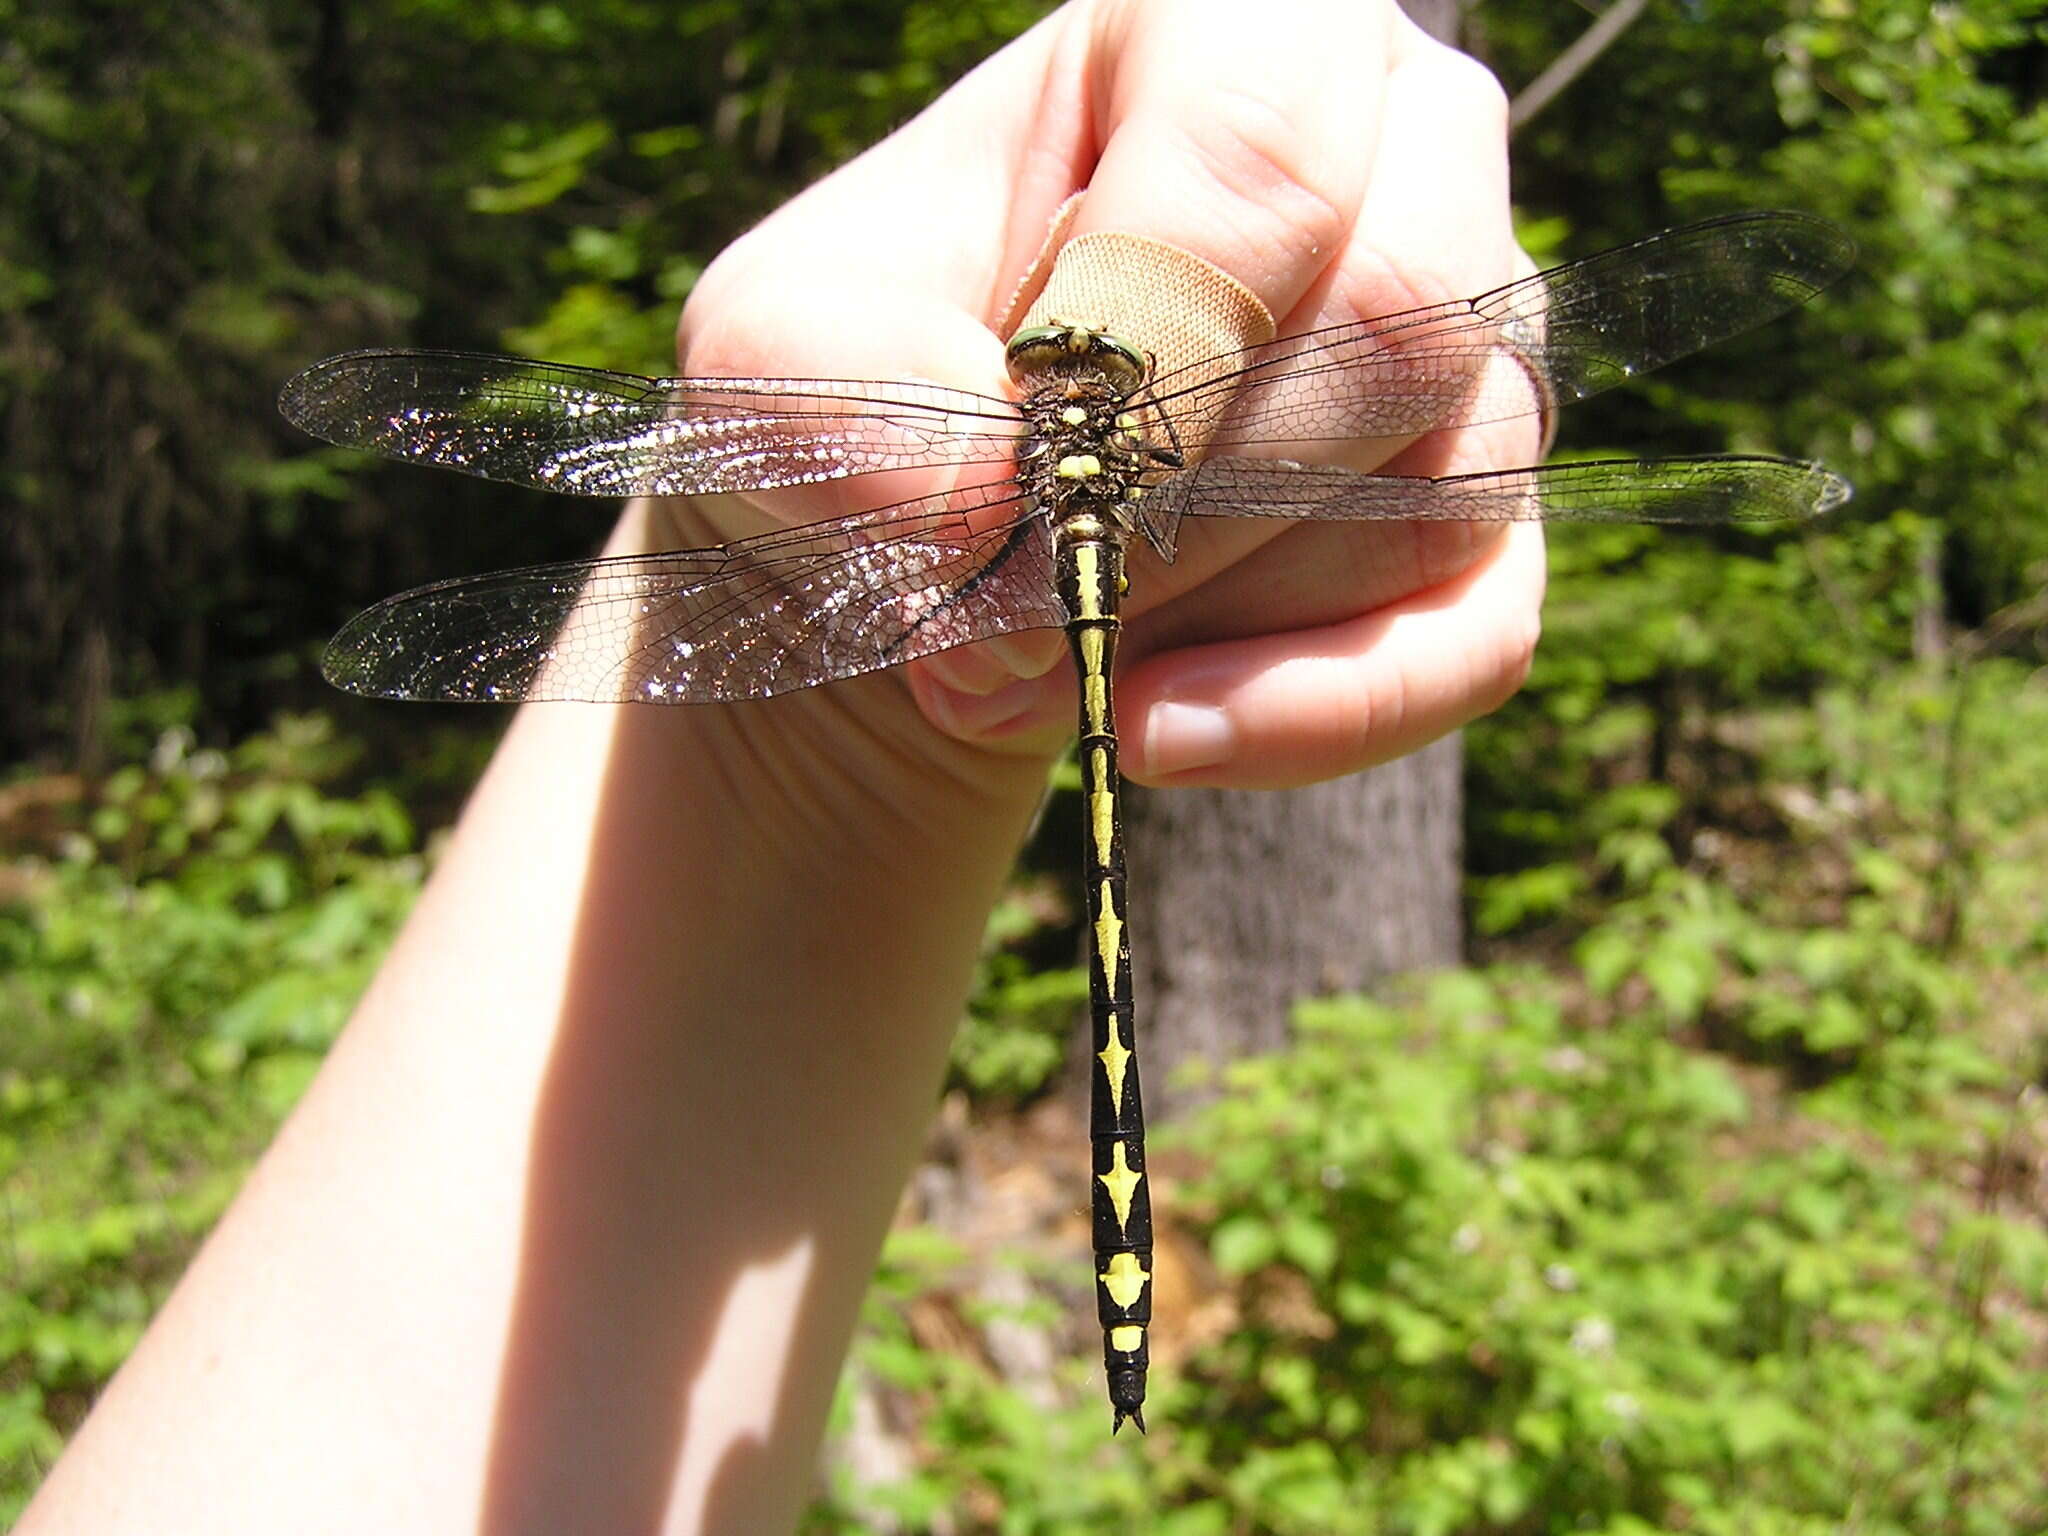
(1100, 450)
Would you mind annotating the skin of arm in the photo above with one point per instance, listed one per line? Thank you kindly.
(571, 1231)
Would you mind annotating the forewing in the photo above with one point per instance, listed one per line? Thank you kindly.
(748, 620)
(1519, 350)
(592, 432)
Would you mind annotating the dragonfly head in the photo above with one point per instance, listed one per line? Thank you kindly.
(1042, 353)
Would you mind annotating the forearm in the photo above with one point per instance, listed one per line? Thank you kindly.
(618, 1129)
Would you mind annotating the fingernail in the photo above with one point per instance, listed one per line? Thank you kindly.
(1183, 736)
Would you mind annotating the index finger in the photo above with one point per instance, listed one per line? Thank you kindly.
(1253, 154)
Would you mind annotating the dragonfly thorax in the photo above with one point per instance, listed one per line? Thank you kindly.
(1089, 453)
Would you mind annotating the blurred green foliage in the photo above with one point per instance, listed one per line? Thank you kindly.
(197, 203)
(1014, 1036)
(1503, 1272)
(1699, 1202)
(1723, 1221)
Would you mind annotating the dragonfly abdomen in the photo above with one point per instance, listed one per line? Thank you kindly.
(1091, 581)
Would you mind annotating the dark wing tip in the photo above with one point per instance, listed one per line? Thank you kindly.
(355, 398)
(467, 640)
(303, 389)
(411, 646)
(342, 398)
(1785, 490)
(1833, 492)
(358, 659)
(1812, 253)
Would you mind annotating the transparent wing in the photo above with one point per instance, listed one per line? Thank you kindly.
(809, 605)
(591, 432)
(745, 620)
(1718, 489)
(1520, 350)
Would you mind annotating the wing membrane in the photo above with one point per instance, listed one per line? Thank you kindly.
(591, 432)
(809, 605)
(1520, 350)
(745, 620)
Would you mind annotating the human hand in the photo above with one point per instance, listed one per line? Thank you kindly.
(1333, 159)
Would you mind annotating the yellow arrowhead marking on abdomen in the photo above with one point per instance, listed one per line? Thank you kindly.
(1114, 1059)
(1122, 1182)
(1101, 805)
(1124, 1280)
(1094, 687)
(1108, 931)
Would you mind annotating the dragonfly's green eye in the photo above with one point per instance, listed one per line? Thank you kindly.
(1123, 365)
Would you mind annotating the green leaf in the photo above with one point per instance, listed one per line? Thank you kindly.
(1241, 1244)
(1309, 1244)
(1682, 974)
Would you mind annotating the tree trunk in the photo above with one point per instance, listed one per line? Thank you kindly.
(1244, 902)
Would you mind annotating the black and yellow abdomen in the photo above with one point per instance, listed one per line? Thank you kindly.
(1091, 583)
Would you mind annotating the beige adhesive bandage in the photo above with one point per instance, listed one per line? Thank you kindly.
(1180, 308)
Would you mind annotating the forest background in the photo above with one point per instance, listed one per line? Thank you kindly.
(1708, 1196)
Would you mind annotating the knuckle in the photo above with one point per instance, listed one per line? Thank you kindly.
(1465, 86)
(1255, 152)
